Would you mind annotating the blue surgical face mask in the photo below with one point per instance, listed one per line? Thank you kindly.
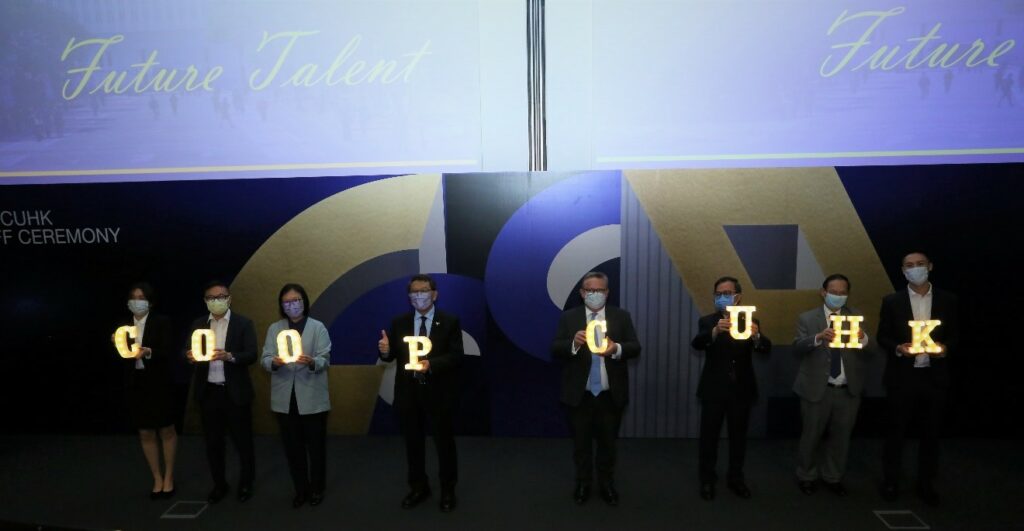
(594, 300)
(421, 300)
(293, 309)
(138, 307)
(916, 275)
(722, 301)
(835, 302)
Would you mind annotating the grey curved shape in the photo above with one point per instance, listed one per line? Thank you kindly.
(360, 279)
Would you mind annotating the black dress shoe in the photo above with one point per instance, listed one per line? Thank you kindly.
(707, 491)
(299, 500)
(316, 499)
(581, 494)
(837, 488)
(167, 494)
(928, 496)
(610, 495)
(158, 495)
(244, 493)
(740, 489)
(889, 492)
(414, 497)
(447, 504)
(807, 487)
(218, 493)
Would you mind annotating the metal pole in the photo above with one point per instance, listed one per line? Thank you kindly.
(535, 69)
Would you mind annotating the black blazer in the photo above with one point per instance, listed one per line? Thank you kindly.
(158, 338)
(728, 363)
(893, 331)
(241, 343)
(445, 357)
(576, 368)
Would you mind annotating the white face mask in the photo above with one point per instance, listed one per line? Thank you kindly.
(916, 275)
(594, 300)
(421, 300)
(138, 307)
(218, 306)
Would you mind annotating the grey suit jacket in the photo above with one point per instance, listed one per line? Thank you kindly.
(815, 361)
(310, 382)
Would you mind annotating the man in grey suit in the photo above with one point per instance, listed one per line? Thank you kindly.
(829, 383)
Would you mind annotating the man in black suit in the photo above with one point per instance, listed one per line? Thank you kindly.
(430, 392)
(727, 387)
(916, 384)
(595, 386)
(223, 389)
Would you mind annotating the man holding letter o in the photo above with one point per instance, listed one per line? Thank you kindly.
(223, 390)
(916, 383)
(595, 384)
(727, 387)
(429, 391)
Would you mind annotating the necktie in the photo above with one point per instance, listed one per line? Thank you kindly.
(594, 383)
(836, 365)
(419, 376)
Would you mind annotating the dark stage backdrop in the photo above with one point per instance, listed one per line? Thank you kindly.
(508, 249)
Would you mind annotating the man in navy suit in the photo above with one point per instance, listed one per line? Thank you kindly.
(727, 387)
(916, 384)
(430, 392)
(595, 385)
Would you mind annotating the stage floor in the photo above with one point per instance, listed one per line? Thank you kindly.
(101, 482)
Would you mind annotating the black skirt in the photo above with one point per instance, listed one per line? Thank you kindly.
(149, 399)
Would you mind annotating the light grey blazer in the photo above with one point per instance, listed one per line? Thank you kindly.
(310, 382)
(815, 361)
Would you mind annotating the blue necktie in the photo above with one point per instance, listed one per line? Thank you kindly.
(595, 369)
(419, 376)
(837, 363)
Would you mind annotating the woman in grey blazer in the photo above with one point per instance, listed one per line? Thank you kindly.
(299, 395)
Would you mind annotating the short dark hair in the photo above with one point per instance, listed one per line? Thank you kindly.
(147, 290)
(214, 284)
(291, 286)
(836, 276)
(739, 289)
(422, 278)
(915, 251)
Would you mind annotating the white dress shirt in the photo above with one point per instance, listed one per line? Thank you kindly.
(141, 325)
(416, 321)
(921, 305)
(841, 379)
(598, 337)
(220, 332)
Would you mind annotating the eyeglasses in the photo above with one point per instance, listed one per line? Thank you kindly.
(724, 293)
(425, 290)
(595, 290)
(292, 300)
(221, 298)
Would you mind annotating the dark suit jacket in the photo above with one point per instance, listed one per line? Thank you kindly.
(445, 358)
(158, 338)
(576, 368)
(893, 331)
(241, 343)
(724, 357)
